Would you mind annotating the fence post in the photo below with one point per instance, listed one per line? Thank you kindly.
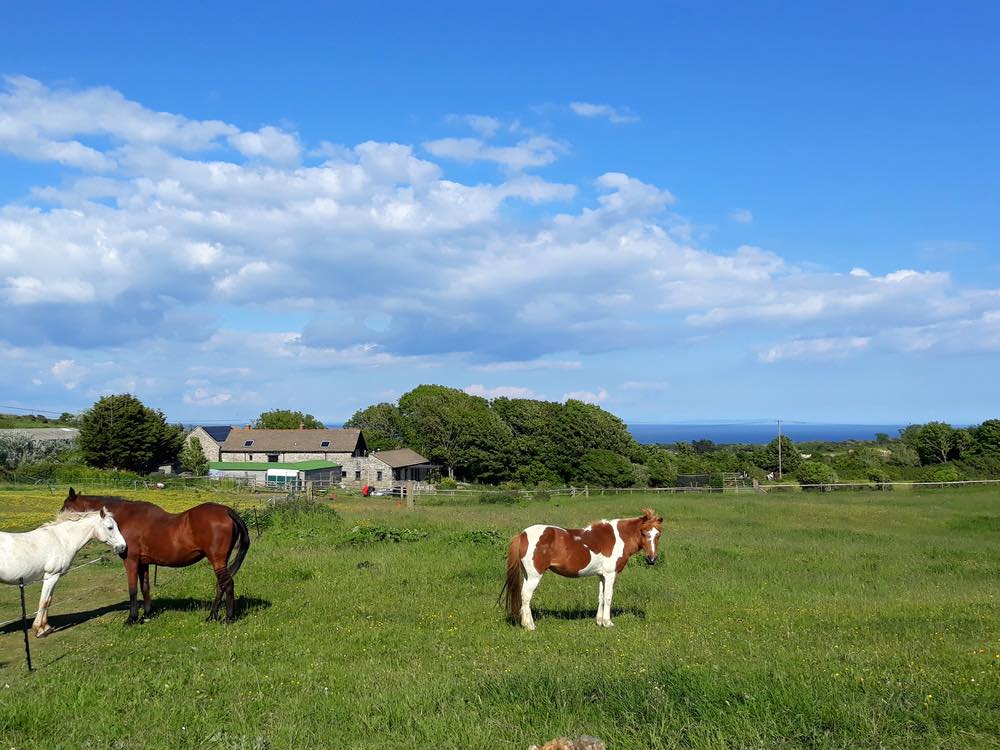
(410, 489)
(309, 491)
(24, 626)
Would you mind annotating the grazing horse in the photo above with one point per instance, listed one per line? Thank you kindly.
(601, 549)
(47, 552)
(175, 540)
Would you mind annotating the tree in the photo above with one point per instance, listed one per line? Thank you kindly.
(934, 442)
(816, 473)
(790, 458)
(286, 419)
(120, 432)
(457, 430)
(986, 438)
(193, 458)
(382, 425)
(604, 468)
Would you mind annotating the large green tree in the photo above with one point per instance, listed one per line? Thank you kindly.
(604, 468)
(767, 458)
(286, 419)
(120, 432)
(193, 458)
(936, 442)
(456, 430)
(986, 437)
(382, 425)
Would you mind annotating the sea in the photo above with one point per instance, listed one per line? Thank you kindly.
(758, 432)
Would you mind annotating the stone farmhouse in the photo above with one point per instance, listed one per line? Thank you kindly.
(344, 447)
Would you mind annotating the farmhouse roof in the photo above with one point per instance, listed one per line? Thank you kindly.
(298, 441)
(218, 433)
(398, 459)
(43, 434)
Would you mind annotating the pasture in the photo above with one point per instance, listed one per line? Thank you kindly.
(781, 621)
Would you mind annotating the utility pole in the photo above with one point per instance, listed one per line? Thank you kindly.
(779, 449)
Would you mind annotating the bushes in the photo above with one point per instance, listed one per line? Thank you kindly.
(500, 497)
(816, 473)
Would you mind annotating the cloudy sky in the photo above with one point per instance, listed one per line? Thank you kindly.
(681, 211)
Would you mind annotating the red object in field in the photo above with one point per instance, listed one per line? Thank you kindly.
(365, 490)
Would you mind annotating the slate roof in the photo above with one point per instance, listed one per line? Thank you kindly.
(43, 434)
(218, 433)
(400, 458)
(294, 441)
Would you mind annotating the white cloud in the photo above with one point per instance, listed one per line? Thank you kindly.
(536, 151)
(506, 391)
(823, 348)
(589, 397)
(741, 216)
(68, 372)
(485, 125)
(530, 364)
(268, 143)
(586, 109)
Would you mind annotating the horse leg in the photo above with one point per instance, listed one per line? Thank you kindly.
(132, 569)
(221, 574)
(230, 598)
(147, 602)
(41, 624)
(609, 590)
(527, 590)
(600, 600)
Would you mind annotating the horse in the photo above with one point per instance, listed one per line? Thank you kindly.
(602, 549)
(175, 540)
(47, 553)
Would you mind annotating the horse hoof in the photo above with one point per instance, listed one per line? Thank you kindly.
(43, 632)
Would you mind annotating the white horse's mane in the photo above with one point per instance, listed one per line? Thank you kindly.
(72, 515)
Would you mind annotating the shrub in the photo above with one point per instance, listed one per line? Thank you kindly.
(816, 473)
(447, 483)
(946, 473)
(374, 533)
(500, 497)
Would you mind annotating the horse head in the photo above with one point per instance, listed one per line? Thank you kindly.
(650, 531)
(107, 531)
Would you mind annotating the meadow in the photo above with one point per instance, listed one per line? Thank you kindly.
(802, 620)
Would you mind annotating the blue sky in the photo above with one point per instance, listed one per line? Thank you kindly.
(681, 211)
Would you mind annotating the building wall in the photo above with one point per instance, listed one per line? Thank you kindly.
(209, 447)
(284, 458)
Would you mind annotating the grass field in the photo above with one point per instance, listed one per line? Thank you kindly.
(806, 620)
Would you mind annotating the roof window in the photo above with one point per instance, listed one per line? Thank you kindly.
(325, 444)
(247, 443)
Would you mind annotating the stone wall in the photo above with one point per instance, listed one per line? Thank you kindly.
(208, 446)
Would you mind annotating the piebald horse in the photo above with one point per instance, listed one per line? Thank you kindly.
(47, 553)
(601, 549)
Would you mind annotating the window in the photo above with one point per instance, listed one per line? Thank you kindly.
(247, 443)
(357, 473)
(272, 458)
(343, 473)
(325, 444)
(380, 476)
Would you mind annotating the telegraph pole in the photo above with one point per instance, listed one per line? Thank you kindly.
(779, 449)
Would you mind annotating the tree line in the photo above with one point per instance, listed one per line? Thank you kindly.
(531, 442)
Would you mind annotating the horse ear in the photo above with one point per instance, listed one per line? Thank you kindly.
(104, 512)
(659, 519)
(72, 494)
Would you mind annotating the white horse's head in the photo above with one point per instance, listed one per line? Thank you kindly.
(107, 531)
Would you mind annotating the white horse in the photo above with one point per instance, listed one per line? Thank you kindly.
(47, 553)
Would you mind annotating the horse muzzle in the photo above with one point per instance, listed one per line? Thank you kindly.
(651, 560)
(120, 549)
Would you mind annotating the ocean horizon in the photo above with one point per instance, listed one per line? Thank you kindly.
(757, 433)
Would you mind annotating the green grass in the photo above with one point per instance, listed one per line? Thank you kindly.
(803, 620)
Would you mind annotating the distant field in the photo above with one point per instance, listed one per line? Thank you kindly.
(794, 621)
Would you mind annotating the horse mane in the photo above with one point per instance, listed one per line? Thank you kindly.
(71, 515)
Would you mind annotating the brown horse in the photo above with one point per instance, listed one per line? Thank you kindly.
(157, 537)
(600, 549)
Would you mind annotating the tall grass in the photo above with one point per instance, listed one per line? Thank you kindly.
(800, 621)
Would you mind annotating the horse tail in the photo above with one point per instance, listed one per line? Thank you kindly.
(510, 594)
(240, 531)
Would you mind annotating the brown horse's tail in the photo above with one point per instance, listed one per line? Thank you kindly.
(510, 594)
(241, 536)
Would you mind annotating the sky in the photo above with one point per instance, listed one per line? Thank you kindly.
(681, 211)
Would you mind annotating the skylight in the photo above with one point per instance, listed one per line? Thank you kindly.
(247, 443)
(325, 444)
